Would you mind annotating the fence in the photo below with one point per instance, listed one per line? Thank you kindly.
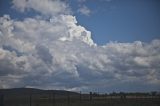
(80, 99)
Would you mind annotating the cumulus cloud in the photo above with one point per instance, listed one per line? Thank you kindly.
(60, 54)
(84, 10)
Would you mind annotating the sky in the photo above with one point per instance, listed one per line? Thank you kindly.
(80, 45)
(121, 20)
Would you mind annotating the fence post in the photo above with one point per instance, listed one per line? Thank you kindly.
(80, 97)
(90, 96)
(30, 100)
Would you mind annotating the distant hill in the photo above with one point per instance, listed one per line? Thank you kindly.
(26, 91)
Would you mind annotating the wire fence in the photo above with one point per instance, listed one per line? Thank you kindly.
(68, 99)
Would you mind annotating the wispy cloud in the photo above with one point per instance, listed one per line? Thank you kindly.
(84, 10)
(81, 1)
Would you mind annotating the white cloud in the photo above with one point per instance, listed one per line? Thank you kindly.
(45, 7)
(84, 10)
(20, 5)
(60, 54)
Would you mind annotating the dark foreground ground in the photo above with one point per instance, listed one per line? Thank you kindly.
(34, 97)
(106, 102)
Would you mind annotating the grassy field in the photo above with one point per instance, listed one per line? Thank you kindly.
(37, 97)
(37, 100)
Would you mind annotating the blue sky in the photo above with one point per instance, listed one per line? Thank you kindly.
(80, 45)
(111, 20)
(122, 20)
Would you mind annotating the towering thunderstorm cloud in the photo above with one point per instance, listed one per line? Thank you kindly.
(52, 51)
